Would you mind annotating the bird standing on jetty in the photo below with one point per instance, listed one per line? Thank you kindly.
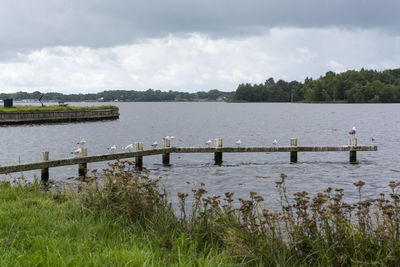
(112, 148)
(155, 144)
(208, 143)
(77, 152)
(170, 137)
(238, 142)
(82, 142)
(353, 131)
(128, 147)
(274, 142)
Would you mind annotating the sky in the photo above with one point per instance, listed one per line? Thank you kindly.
(87, 46)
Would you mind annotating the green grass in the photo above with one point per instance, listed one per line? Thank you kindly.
(44, 229)
(127, 219)
(50, 108)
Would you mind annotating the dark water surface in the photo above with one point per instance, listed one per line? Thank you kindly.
(254, 124)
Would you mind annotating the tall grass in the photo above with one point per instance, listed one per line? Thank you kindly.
(121, 213)
(39, 228)
(318, 230)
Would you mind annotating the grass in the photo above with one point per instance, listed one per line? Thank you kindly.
(125, 218)
(39, 228)
(50, 108)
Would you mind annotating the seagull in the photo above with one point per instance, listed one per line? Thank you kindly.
(372, 139)
(172, 137)
(129, 147)
(112, 148)
(82, 142)
(275, 142)
(167, 137)
(155, 144)
(208, 143)
(353, 131)
(238, 142)
(77, 152)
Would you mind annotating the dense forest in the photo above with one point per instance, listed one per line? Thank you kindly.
(364, 86)
(127, 96)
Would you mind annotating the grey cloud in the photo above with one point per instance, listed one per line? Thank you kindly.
(27, 24)
(201, 63)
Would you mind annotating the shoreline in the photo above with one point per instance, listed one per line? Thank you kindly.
(60, 115)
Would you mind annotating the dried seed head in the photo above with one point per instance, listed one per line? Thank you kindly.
(359, 183)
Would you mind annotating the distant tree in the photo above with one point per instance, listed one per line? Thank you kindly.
(352, 86)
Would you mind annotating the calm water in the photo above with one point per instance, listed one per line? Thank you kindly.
(255, 124)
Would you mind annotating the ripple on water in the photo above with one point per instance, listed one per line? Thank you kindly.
(254, 124)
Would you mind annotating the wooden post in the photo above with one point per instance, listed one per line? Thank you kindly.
(139, 160)
(218, 155)
(165, 157)
(353, 153)
(293, 154)
(45, 171)
(82, 167)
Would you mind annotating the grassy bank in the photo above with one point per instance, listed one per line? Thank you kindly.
(128, 220)
(51, 108)
(44, 229)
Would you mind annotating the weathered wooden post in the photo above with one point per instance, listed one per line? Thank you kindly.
(139, 159)
(353, 153)
(82, 167)
(45, 171)
(293, 154)
(218, 155)
(166, 144)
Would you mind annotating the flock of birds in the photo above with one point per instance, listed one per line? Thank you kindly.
(130, 147)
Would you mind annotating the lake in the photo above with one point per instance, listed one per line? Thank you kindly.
(254, 124)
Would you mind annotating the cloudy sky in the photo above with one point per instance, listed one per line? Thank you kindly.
(82, 46)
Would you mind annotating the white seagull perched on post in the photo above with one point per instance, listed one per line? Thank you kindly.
(82, 142)
(77, 152)
(172, 137)
(238, 142)
(155, 144)
(353, 131)
(112, 148)
(129, 147)
(208, 143)
(274, 142)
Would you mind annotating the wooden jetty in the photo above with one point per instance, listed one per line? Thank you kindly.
(218, 150)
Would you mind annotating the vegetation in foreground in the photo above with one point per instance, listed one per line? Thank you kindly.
(39, 228)
(48, 108)
(123, 218)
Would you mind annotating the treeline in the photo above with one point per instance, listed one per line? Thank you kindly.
(364, 86)
(125, 95)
